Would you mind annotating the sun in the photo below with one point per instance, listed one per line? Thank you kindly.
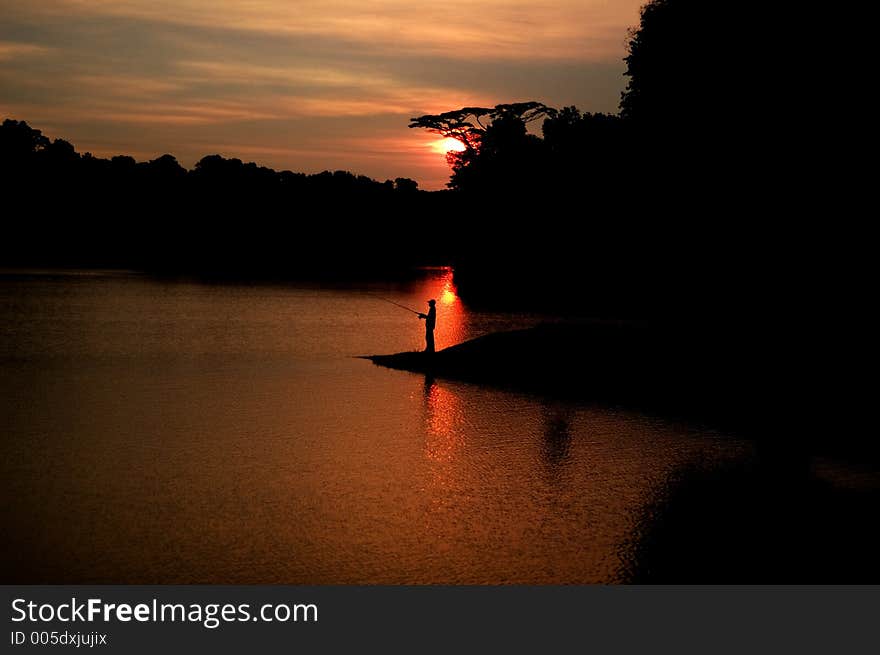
(449, 144)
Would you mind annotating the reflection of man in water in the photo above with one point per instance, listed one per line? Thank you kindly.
(430, 322)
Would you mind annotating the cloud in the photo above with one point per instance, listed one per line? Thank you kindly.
(305, 84)
(292, 75)
(10, 50)
(126, 86)
(497, 29)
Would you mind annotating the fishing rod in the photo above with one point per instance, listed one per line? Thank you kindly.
(409, 309)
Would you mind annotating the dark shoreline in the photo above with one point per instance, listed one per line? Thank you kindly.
(719, 375)
(775, 518)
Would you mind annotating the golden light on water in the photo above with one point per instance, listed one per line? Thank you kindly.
(442, 422)
(448, 296)
(451, 314)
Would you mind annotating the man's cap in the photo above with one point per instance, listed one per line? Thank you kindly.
(432, 301)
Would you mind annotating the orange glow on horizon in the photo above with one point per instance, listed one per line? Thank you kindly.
(342, 103)
(447, 145)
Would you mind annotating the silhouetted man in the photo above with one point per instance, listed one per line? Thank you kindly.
(430, 322)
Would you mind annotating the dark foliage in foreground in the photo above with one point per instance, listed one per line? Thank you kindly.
(687, 211)
(674, 209)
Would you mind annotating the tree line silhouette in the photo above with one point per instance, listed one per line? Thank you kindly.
(222, 218)
(689, 207)
(705, 208)
(673, 207)
(665, 208)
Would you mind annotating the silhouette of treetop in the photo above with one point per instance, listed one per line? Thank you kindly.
(469, 124)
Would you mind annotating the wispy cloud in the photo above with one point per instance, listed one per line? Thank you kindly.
(11, 50)
(457, 28)
(300, 84)
(117, 85)
(293, 75)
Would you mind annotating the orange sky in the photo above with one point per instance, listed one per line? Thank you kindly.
(305, 85)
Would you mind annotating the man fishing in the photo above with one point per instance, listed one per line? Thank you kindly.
(430, 321)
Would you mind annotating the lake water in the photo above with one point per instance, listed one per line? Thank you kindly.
(177, 432)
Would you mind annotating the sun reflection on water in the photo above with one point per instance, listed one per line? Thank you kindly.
(451, 316)
(442, 421)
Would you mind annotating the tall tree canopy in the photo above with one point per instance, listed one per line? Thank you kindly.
(498, 147)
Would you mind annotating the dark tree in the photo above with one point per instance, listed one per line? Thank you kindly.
(406, 185)
(19, 142)
(225, 217)
(498, 147)
(465, 124)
